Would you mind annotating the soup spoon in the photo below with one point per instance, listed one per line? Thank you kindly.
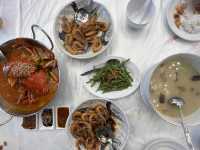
(179, 102)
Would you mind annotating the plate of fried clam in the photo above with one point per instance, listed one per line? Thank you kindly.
(83, 29)
(97, 124)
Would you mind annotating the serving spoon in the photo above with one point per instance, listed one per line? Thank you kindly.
(4, 60)
(105, 141)
(105, 136)
(82, 14)
(179, 102)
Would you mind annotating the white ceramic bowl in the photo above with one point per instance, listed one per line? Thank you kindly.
(134, 9)
(165, 144)
(131, 67)
(194, 118)
(67, 11)
(121, 133)
(179, 32)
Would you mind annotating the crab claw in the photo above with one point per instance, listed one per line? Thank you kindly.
(12, 81)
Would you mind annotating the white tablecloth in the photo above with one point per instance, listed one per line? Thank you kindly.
(144, 47)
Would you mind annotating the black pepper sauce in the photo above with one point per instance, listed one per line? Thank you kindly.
(47, 117)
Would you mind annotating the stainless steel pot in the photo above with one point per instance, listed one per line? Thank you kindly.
(5, 106)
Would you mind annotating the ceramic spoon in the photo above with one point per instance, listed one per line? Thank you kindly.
(179, 102)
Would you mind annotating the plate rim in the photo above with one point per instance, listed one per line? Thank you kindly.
(158, 140)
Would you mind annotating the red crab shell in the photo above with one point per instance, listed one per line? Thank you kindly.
(37, 82)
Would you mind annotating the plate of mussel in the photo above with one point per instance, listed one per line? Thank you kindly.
(83, 29)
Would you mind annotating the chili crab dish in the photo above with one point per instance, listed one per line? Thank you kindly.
(28, 78)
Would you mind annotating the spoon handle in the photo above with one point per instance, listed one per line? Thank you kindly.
(2, 55)
(186, 131)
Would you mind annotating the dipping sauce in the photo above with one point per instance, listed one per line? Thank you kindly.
(47, 117)
(29, 122)
(175, 77)
(62, 115)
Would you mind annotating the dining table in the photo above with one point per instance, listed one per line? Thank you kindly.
(145, 47)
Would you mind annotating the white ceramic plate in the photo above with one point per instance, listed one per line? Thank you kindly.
(67, 11)
(132, 68)
(122, 131)
(164, 144)
(179, 32)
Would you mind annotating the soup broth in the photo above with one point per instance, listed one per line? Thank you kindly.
(175, 77)
(32, 77)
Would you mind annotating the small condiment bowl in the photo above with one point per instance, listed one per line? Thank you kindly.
(57, 117)
(133, 10)
(41, 125)
(36, 122)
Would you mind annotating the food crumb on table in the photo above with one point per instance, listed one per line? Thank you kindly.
(1, 23)
(3, 145)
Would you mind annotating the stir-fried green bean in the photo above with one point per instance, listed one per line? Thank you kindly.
(114, 76)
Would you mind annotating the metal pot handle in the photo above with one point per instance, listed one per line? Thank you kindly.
(6, 121)
(43, 31)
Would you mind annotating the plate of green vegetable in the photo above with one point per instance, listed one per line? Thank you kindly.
(112, 78)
